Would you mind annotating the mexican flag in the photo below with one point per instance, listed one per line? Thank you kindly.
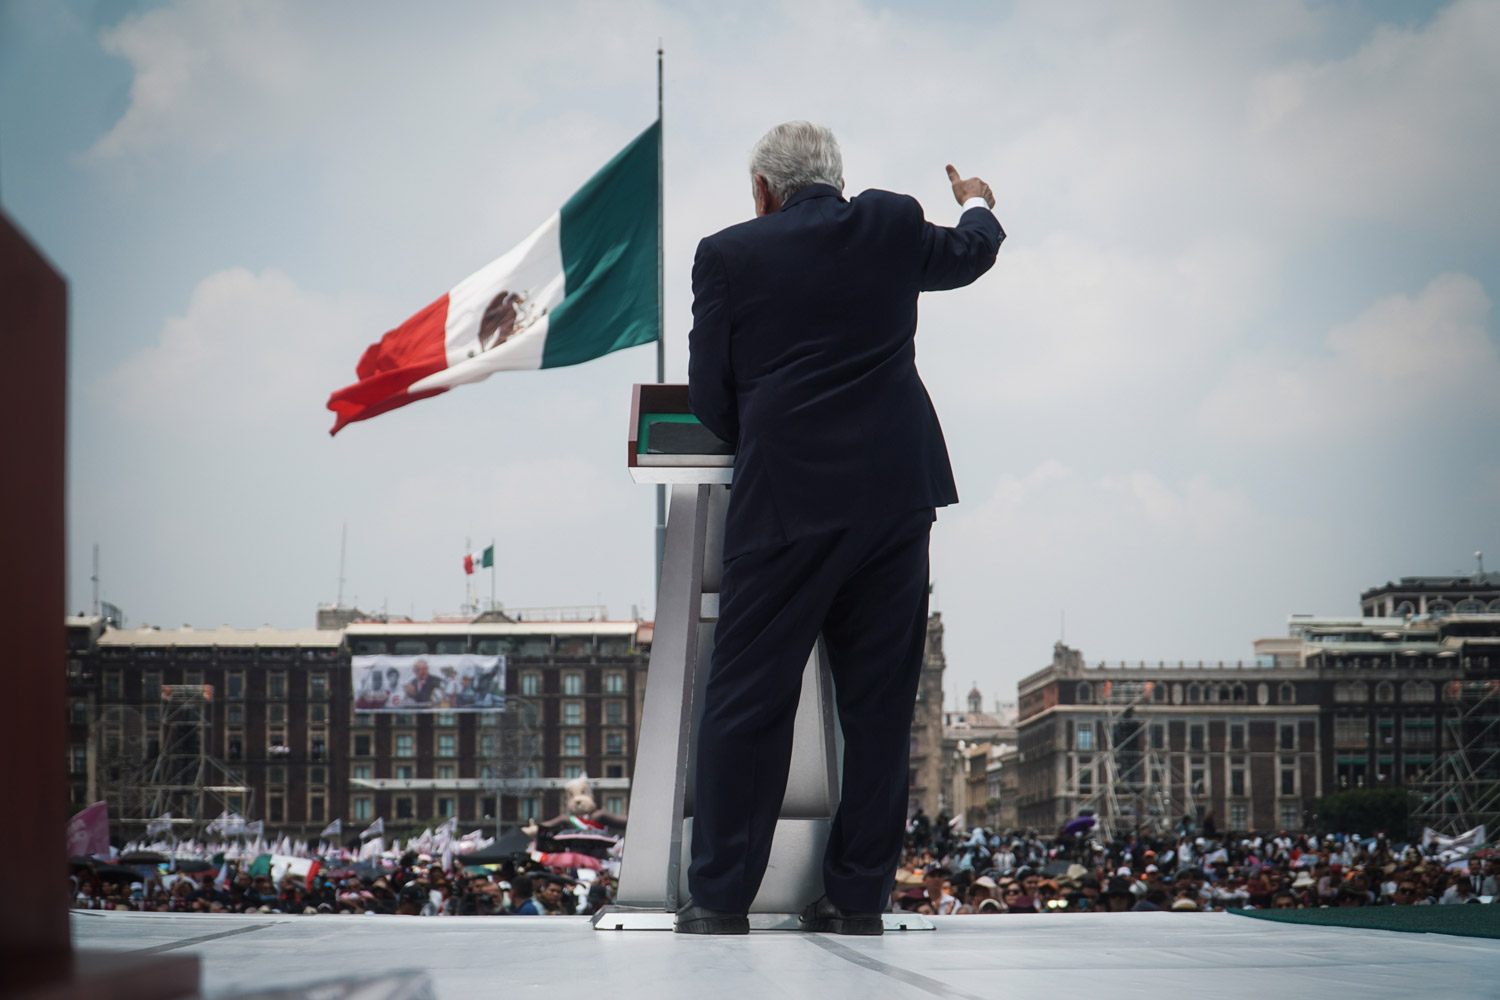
(479, 560)
(580, 286)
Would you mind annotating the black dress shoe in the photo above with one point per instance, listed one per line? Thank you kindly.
(824, 916)
(694, 919)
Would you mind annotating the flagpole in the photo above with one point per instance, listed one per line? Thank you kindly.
(492, 573)
(661, 366)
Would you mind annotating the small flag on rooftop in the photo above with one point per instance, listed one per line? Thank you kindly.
(479, 560)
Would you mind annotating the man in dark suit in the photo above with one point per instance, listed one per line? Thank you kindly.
(802, 355)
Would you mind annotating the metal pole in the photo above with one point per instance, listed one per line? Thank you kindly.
(661, 362)
(492, 574)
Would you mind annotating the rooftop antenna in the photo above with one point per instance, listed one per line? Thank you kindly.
(1478, 557)
(95, 579)
(343, 547)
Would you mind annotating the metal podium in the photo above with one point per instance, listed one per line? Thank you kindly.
(668, 445)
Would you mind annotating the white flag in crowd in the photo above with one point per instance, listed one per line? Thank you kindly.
(374, 829)
(333, 829)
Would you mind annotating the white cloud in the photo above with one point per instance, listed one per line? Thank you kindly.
(1430, 358)
(1405, 128)
(252, 354)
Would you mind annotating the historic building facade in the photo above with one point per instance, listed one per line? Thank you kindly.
(926, 786)
(1408, 697)
(262, 722)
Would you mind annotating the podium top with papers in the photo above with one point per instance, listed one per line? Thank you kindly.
(668, 444)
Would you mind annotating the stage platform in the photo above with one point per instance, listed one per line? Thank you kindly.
(1098, 956)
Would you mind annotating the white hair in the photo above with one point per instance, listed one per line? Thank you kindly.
(796, 154)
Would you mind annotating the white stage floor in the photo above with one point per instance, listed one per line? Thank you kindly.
(1098, 956)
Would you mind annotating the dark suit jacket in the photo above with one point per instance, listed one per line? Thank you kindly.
(802, 356)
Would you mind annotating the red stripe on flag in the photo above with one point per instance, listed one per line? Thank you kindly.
(411, 352)
(469, 564)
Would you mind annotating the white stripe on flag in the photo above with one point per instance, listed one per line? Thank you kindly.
(532, 270)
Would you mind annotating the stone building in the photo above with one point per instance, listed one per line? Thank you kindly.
(927, 787)
(262, 722)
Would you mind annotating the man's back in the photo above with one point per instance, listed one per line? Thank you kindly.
(803, 356)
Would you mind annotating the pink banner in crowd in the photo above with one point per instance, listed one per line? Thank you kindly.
(88, 831)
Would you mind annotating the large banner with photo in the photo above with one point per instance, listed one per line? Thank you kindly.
(441, 682)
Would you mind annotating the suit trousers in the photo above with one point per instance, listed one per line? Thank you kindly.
(864, 588)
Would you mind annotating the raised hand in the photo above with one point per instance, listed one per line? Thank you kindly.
(972, 187)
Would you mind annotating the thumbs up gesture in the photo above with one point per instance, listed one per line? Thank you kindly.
(971, 187)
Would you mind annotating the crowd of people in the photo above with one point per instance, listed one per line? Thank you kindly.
(947, 871)
(418, 885)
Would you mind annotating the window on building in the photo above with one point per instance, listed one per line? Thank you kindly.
(234, 744)
(447, 745)
(447, 772)
(317, 714)
(614, 803)
(1194, 693)
(529, 808)
(317, 775)
(276, 684)
(1158, 736)
(411, 647)
(1385, 691)
(78, 713)
(317, 686)
(405, 807)
(573, 684)
(1241, 695)
(362, 807)
(1288, 737)
(1197, 776)
(614, 744)
(1359, 691)
(406, 745)
(1084, 737)
(234, 714)
(275, 809)
(276, 713)
(571, 771)
(1288, 779)
(362, 743)
(530, 771)
(151, 686)
(1417, 733)
(405, 719)
(572, 713)
(317, 745)
(315, 808)
(112, 685)
(276, 775)
(531, 714)
(1237, 783)
(275, 737)
(1236, 737)
(1286, 694)
(1351, 731)
(489, 744)
(573, 744)
(614, 713)
(362, 772)
(1085, 781)
(1195, 737)
(614, 683)
(403, 772)
(531, 683)
(78, 760)
(614, 770)
(452, 645)
(191, 678)
(447, 718)
(362, 720)
(1291, 816)
(1084, 693)
(447, 806)
(1239, 816)
(487, 806)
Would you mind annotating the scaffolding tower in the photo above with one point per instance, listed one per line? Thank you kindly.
(186, 779)
(1461, 790)
(1132, 785)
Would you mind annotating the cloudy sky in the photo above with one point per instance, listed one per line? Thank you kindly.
(1237, 359)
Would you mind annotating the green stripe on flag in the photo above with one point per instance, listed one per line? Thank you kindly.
(488, 559)
(608, 240)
